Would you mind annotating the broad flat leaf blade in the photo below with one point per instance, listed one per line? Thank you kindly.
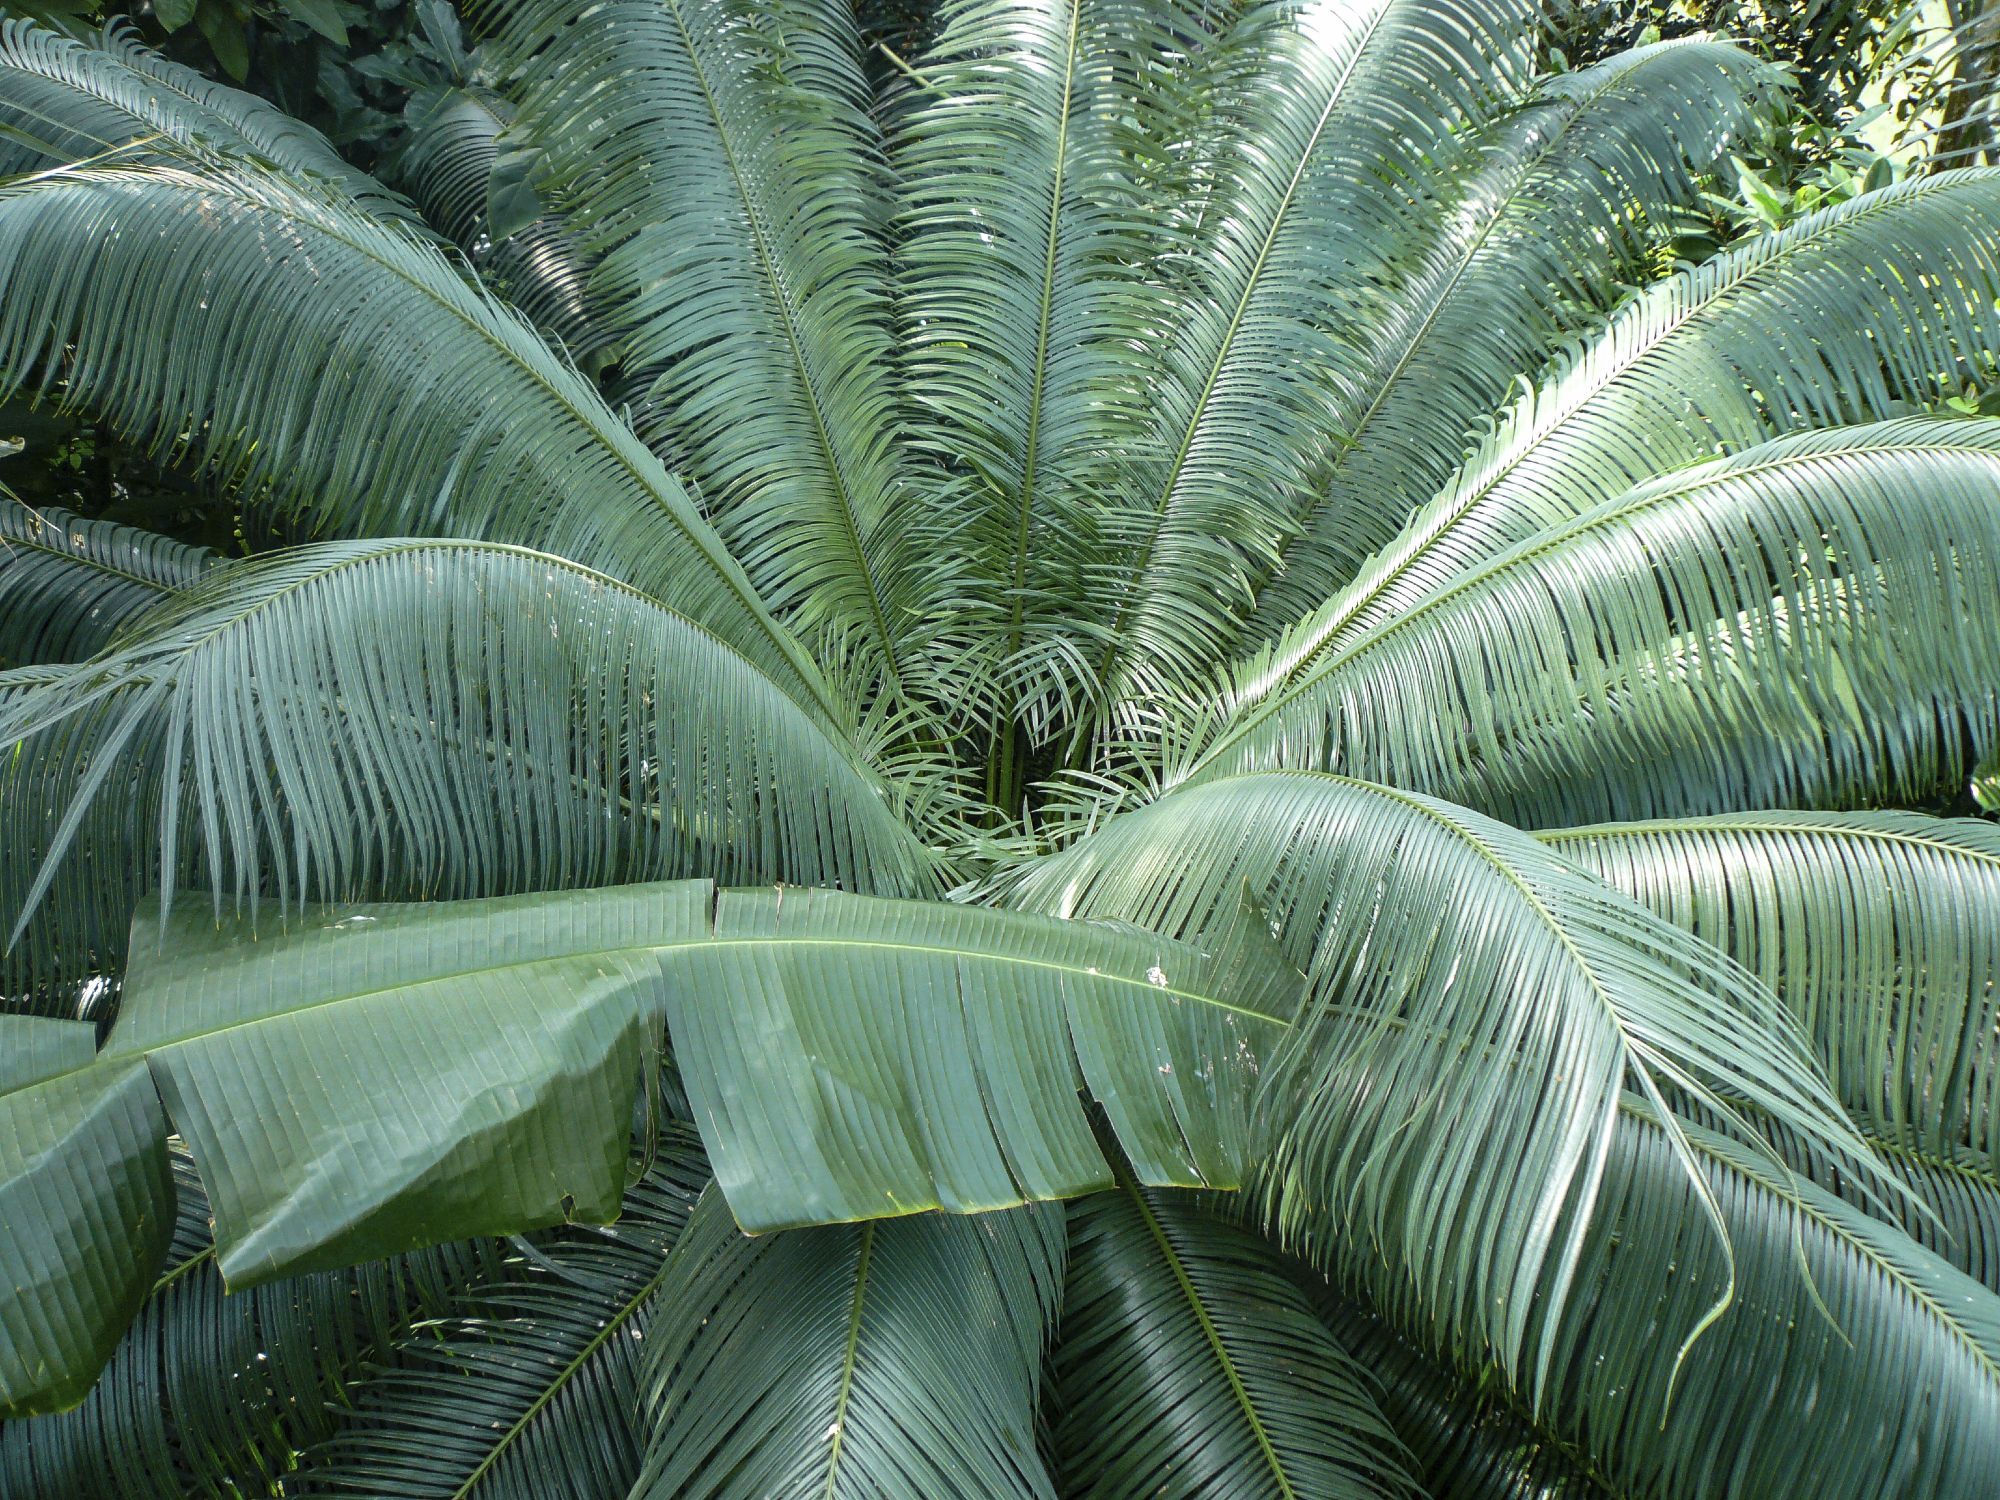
(86, 1209)
(850, 1058)
(357, 1081)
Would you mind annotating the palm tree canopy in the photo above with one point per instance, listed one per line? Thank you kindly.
(1145, 697)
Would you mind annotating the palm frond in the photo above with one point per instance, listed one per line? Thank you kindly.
(851, 1360)
(211, 1394)
(1326, 171)
(1025, 305)
(63, 101)
(1880, 931)
(301, 323)
(717, 158)
(1570, 191)
(1475, 1007)
(1845, 317)
(69, 584)
(1186, 1365)
(447, 164)
(526, 1387)
(1810, 622)
(361, 719)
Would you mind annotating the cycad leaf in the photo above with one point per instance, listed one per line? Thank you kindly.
(212, 1394)
(1026, 311)
(111, 96)
(897, 1359)
(357, 1081)
(1474, 1009)
(1187, 1365)
(437, 718)
(528, 1388)
(877, 1057)
(1570, 191)
(1880, 930)
(1808, 622)
(716, 156)
(304, 322)
(447, 164)
(86, 1208)
(1330, 148)
(1846, 316)
(68, 584)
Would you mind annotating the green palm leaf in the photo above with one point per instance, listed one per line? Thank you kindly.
(896, 1359)
(837, 1082)
(298, 726)
(1880, 931)
(1806, 622)
(1570, 191)
(1475, 1010)
(1846, 316)
(1022, 175)
(68, 584)
(64, 100)
(527, 1387)
(306, 322)
(1325, 161)
(1187, 1365)
(744, 280)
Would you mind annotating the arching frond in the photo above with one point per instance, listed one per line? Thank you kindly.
(211, 1394)
(1475, 1008)
(363, 719)
(851, 1360)
(1846, 316)
(300, 324)
(447, 165)
(69, 584)
(527, 1387)
(68, 101)
(718, 159)
(1571, 190)
(1881, 932)
(1326, 171)
(1187, 1365)
(1025, 307)
(1809, 622)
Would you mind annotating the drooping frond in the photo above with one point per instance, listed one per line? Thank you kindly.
(1571, 190)
(68, 584)
(527, 1387)
(851, 1361)
(360, 719)
(447, 164)
(1025, 307)
(1845, 316)
(1187, 1364)
(1332, 139)
(888, 1057)
(300, 325)
(1474, 1009)
(717, 157)
(67, 101)
(212, 1394)
(1809, 622)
